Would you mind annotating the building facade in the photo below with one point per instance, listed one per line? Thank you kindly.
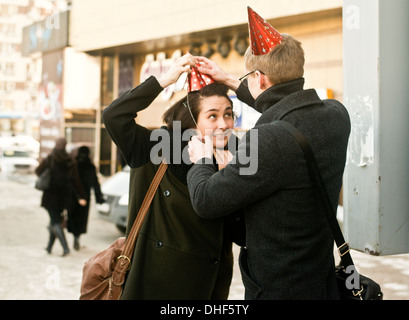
(134, 39)
(85, 57)
(20, 75)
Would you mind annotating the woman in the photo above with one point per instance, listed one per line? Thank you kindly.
(78, 214)
(57, 198)
(178, 255)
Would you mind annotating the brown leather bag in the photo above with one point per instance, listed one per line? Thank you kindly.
(104, 274)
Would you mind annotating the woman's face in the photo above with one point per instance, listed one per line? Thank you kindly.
(215, 119)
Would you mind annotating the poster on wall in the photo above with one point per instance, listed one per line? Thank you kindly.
(50, 101)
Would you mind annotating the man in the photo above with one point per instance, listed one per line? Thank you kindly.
(289, 245)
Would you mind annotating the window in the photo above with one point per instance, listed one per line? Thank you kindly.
(7, 68)
(107, 80)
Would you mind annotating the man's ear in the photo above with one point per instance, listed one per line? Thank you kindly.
(263, 81)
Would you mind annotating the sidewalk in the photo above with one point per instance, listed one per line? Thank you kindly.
(28, 272)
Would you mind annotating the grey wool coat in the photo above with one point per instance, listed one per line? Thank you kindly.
(289, 246)
(178, 255)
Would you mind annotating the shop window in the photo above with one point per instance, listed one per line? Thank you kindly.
(126, 73)
(107, 80)
(77, 137)
(105, 153)
(7, 68)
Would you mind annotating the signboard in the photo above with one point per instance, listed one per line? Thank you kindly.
(46, 35)
(50, 101)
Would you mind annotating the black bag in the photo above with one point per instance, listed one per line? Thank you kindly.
(44, 179)
(367, 289)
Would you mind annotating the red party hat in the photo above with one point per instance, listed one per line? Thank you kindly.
(197, 80)
(263, 37)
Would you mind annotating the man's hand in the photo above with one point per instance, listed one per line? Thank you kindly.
(223, 157)
(211, 68)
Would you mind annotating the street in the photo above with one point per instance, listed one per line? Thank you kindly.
(28, 272)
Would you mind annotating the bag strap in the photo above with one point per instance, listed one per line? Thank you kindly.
(343, 246)
(124, 260)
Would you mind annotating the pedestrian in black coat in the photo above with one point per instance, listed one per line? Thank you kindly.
(78, 214)
(57, 198)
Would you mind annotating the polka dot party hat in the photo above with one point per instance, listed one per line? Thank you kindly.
(197, 80)
(263, 37)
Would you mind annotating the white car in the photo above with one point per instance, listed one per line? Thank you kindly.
(115, 191)
(13, 160)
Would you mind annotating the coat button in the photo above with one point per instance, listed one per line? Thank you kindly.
(214, 261)
(159, 244)
(166, 193)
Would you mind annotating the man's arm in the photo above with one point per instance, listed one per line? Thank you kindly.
(253, 174)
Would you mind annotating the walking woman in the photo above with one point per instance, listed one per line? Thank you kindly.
(57, 198)
(178, 255)
(78, 214)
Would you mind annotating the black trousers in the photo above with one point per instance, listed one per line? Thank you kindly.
(55, 216)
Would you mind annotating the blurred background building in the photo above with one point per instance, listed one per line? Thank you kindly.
(94, 50)
(20, 75)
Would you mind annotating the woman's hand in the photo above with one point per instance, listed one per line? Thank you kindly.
(223, 157)
(211, 68)
(181, 65)
(200, 147)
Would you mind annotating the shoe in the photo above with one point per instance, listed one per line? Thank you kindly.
(77, 243)
(66, 253)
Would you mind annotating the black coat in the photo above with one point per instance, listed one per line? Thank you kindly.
(178, 255)
(63, 181)
(289, 246)
(77, 214)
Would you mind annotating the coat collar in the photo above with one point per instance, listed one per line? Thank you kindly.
(275, 93)
(279, 100)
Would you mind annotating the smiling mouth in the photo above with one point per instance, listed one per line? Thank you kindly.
(223, 134)
(220, 137)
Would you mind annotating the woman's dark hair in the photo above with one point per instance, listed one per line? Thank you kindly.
(83, 153)
(179, 111)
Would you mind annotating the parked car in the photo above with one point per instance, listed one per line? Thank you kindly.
(16, 160)
(116, 191)
(27, 143)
